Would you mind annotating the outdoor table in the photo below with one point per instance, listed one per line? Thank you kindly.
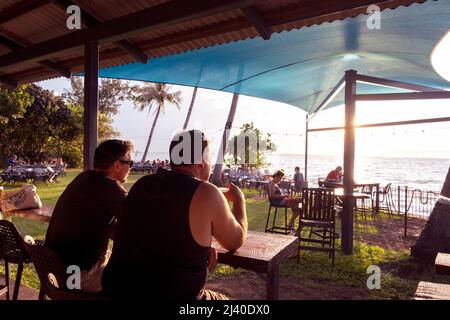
(339, 192)
(357, 195)
(263, 253)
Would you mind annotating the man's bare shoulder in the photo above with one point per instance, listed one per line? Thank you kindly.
(207, 189)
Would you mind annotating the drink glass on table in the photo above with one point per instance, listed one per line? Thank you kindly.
(223, 189)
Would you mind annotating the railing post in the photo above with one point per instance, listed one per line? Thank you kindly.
(398, 200)
(406, 211)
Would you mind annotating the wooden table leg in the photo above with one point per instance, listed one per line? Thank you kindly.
(273, 282)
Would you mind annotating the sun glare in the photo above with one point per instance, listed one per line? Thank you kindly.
(439, 57)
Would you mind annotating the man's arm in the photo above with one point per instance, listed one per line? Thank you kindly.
(272, 194)
(229, 227)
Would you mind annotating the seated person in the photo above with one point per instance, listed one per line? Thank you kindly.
(277, 198)
(12, 161)
(335, 175)
(85, 213)
(162, 240)
(59, 162)
(299, 180)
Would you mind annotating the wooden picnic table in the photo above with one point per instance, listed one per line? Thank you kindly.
(263, 253)
(42, 214)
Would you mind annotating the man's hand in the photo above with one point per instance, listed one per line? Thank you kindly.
(212, 259)
(234, 194)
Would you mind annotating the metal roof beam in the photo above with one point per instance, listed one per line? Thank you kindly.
(90, 19)
(150, 19)
(386, 124)
(333, 93)
(403, 96)
(258, 21)
(394, 84)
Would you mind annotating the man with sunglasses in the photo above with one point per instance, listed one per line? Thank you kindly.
(85, 213)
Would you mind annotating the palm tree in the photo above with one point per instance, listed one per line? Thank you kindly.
(217, 173)
(188, 116)
(158, 94)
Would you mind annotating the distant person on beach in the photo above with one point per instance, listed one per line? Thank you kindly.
(299, 180)
(276, 197)
(335, 175)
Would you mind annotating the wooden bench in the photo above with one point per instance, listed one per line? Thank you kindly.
(42, 214)
(442, 264)
(432, 291)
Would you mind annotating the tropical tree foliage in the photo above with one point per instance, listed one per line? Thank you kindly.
(36, 124)
(249, 147)
(112, 92)
(155, 95)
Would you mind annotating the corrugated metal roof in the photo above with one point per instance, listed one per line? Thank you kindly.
(49, 21)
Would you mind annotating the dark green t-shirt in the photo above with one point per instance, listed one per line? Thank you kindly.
(83, 218)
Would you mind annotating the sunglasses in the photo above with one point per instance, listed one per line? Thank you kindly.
(129, 162)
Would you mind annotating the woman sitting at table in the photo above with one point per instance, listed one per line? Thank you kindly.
(335, 175)
(277, 198)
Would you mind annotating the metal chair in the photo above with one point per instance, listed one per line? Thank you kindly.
(318, 211)
(12, 250)
(53, 277)
(274, 228)
(366, 206)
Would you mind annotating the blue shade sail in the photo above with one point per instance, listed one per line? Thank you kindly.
(300, 67)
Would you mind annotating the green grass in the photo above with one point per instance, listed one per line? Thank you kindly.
(400, 272)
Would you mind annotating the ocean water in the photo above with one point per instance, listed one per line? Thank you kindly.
(418, 173)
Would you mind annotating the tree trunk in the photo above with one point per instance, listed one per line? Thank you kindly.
(217, 173)
(144, 156)
(188, 116)
(435, 236)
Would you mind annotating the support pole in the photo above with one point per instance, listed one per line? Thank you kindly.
(91, 59)
(349, 162)
(306, 148)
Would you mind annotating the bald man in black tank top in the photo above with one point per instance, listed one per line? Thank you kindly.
(162, 246)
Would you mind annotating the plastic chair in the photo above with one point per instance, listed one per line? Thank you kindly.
(12, 250)
(53, 277)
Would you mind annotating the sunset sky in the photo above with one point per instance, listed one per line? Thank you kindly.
(287, 124)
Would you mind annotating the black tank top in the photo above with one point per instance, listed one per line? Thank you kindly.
(154, 249)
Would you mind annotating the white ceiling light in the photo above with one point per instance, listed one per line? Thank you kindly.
(440, 57)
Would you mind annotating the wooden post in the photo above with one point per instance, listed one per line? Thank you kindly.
(306, 148)
(91, 59)
(349, 162)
